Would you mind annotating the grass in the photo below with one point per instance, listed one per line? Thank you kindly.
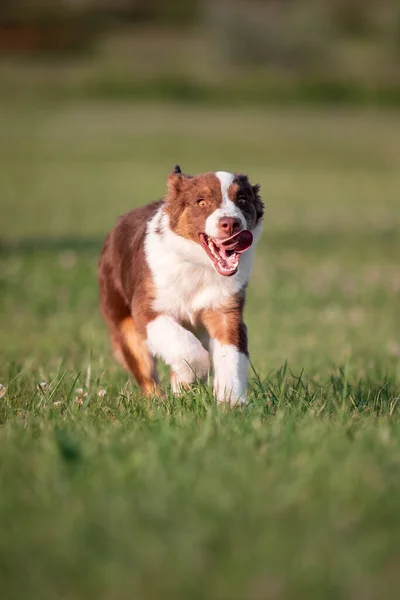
(107, 495)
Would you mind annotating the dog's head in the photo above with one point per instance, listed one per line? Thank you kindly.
(218, 210)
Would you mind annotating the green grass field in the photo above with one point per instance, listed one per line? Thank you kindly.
(106, 495)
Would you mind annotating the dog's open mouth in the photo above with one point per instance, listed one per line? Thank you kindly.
(225, 254)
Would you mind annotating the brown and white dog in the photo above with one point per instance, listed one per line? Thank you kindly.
(179, 266)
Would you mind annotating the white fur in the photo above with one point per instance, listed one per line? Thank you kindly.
(231, 367)
(184, 276)
(227, 209)
(179, 348)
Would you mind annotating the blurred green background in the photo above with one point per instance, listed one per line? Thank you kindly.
(198, 50)
(100, 99)
(105, 494)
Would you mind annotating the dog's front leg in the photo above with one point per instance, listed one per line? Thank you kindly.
(179, 348)
(229, 352)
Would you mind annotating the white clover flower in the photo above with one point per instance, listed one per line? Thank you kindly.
(80, 394)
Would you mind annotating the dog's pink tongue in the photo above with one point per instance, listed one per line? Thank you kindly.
(239, 242)
(244, 240)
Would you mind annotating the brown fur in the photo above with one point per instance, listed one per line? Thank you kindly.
(226, 325)
(187, 218)
(126, 294)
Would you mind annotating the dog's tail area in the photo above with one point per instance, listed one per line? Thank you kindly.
(131, 351)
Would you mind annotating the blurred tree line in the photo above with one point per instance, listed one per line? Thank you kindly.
(352, 43)
(43, 25)
(285, 32)
(300, 32)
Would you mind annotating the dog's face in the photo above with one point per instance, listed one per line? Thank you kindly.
(218, 210)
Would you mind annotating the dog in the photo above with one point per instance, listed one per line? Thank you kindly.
(177, 267)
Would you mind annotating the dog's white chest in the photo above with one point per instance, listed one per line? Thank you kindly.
(186, 289)
(183, 276)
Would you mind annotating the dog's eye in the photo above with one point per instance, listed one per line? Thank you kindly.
(201, 202)
(242, 200)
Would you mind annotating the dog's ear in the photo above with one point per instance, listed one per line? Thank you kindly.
(176, 181)
(258, 203)
(175, 198)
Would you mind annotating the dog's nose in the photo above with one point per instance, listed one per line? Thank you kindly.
(229, 225)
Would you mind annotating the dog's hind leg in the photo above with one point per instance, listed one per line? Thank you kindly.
(137, 358)
(129, 345)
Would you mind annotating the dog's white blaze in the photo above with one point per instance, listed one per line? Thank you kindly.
(226, 180)
(179, 348)
(231, 367)
(184, 276)
(227, 208)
